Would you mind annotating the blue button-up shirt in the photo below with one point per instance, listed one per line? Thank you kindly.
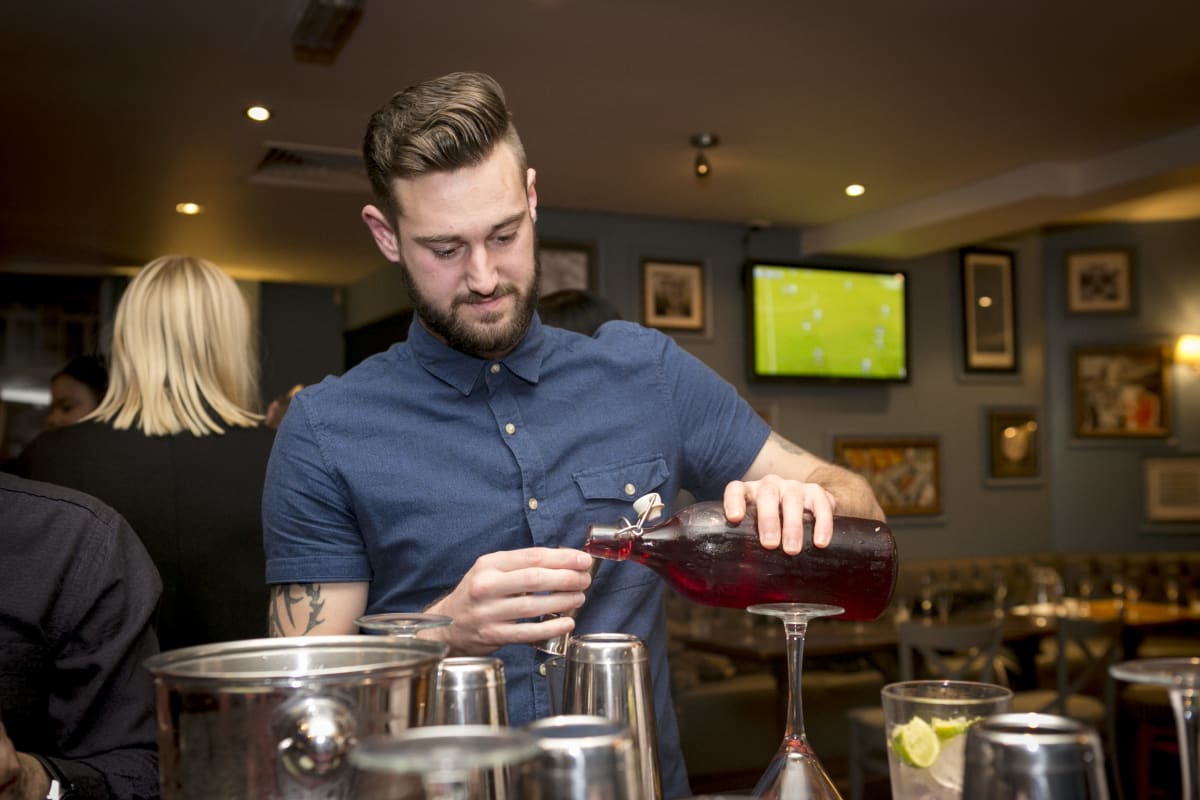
(409, 467)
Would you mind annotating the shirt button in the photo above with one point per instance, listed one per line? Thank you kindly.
(533, 504)
(629, 489)
(495, 368)
(510, 429)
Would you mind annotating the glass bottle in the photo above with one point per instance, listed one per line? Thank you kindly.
(710, 561)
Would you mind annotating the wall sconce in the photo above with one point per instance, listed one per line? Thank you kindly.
(1187, 351)
(703, 141)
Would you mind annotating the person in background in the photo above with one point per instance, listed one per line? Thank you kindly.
(177, 447)
(576, 310)
(457, 472)
(279, 406)
(77, 603)
(76, 389)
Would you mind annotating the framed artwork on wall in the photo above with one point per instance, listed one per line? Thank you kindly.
(1099, 281)
(1173, 489)
(904, 473)
(673, 295)
(1121, 391)
(564, 266)
(989, 311)
(1013, 443)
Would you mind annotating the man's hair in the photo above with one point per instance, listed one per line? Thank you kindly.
(438, 125)
(182, 352)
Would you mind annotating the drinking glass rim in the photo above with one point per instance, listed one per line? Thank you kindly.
(983, 692)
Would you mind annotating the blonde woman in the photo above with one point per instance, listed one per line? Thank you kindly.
(178, 448)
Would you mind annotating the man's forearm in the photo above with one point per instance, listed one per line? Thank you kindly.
(854, 495)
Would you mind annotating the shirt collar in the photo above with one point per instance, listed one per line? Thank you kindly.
(463, 371)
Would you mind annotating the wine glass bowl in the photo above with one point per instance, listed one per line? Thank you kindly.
(795, 770)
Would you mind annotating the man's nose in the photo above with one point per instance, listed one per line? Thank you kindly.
(481, 272)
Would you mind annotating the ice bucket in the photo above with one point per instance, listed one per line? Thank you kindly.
(276, 718)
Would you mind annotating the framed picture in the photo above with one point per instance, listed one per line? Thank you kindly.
(989, 311)
(1173, 489)
(904, 473)
(564, 266)
(1121, 391)
(673, 295)
(1013, 443)
(1099, 281)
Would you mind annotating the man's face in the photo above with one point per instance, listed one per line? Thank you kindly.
(465, 241)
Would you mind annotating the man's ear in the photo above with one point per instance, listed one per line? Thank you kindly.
(382, 232)
(531, 192)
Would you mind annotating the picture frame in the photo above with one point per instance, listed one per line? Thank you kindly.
(904, 473)
(1013, 443)
(565, 265)
(1172, 489)
(989, 310)
(1122, 391)
(673, 295)
(1099, 281)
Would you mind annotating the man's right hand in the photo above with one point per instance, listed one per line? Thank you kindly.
(21, 776)
(501, 589)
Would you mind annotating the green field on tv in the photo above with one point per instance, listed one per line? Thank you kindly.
(829, 323)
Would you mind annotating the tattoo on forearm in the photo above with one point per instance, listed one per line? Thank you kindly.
(788, 447)
(283, 600)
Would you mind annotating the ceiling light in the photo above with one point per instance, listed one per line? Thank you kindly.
(189, 209)
(855, 190)
(258, 113)
(703, 141)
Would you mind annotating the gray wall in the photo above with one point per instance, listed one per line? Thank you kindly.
(1098, 494)
(1089, 495)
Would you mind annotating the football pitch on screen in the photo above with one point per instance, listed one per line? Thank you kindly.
(845, 328)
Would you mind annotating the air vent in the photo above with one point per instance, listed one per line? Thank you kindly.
(311, 167)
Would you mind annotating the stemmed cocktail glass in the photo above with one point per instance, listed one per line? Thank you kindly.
(405, 624)
(795, 771)
(1181, 677)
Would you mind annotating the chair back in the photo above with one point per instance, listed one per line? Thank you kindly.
(1086, 649)
(950, 650)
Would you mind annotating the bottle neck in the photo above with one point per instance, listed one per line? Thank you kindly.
(613, 542)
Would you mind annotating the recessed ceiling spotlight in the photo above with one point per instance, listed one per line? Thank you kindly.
(258, 113)
(703, 141)
(855, 190)
(189, 209)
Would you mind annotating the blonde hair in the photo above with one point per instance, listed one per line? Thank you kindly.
(181, 353)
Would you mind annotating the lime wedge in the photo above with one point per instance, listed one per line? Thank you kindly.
(949, 728)
(916, 743)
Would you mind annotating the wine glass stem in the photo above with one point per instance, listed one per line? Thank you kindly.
(795, 630)
(1186, 703)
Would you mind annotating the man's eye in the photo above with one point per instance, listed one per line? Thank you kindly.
(506, 238)
(445, 252)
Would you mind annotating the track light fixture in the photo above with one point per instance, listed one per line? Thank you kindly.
(703, 141)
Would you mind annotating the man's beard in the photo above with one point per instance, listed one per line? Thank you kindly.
(479, 339)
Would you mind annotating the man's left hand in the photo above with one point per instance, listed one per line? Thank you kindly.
(781, 504)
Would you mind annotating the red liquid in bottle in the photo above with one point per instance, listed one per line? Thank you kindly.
(712, 562)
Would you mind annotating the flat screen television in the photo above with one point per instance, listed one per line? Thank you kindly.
(824, 323)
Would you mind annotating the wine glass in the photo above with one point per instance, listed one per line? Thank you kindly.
(795, 771)
(405, 624)
(453, 762)
(1181, 677)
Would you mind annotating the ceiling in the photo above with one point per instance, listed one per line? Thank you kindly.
(964, 120)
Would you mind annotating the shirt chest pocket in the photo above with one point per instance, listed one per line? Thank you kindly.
(622, 482)
(608, 492)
